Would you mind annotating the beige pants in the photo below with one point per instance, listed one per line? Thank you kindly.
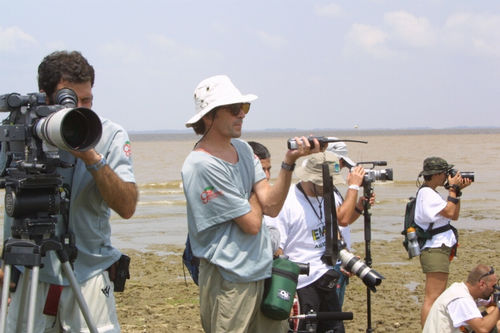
(98, 294)
(233, 307)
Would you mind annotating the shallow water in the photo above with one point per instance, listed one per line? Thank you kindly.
(160, 217)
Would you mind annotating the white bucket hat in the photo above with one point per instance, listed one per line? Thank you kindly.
(340, 149)
(213, 92)
(312, 168)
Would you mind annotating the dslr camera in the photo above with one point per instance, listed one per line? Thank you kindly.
(464, 174)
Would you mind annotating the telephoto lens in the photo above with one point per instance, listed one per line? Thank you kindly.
(356, 266)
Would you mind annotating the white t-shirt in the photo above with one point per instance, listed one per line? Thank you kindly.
(302, 234)
(345, 231)
(463, 309)
(429, 205)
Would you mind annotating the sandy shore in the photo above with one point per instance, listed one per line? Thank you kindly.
(157, 299)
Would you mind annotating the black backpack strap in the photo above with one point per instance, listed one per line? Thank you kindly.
(439, 230)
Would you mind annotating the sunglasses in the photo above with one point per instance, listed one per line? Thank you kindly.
(235, 109)
(491, 272)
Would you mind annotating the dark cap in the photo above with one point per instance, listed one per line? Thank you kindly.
(434, 165)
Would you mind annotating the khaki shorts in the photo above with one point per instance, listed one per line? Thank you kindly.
(233, 307)
(436, 260)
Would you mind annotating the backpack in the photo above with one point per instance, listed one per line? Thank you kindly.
(422, 235)
(191, 262)
(409, 222)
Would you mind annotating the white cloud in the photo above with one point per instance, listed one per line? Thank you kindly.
(171, 48)
(272, 40)
(478, 33)
(161, 41)
(410, 30)
(331, 10)
(12, 38)
(126, 53)
(369, 39)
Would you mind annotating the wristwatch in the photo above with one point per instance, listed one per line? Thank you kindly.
(288, 167)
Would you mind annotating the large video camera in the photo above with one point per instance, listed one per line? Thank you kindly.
(31, 137)
(372, 175)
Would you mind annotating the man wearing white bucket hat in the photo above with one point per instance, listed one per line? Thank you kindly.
(227, 195)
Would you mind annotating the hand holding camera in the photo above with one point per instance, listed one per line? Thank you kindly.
(302, 146)
(356, 176)
(455, 178)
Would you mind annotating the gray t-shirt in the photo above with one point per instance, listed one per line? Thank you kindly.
(217, 192)
(89, 214)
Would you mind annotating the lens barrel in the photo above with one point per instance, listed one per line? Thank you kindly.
(356, 266)
(70, 129)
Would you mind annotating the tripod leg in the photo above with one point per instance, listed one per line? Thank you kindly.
(34, 288)
(79, 297)
(22, 289)
(5, 297)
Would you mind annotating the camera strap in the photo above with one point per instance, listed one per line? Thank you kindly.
(331, 226)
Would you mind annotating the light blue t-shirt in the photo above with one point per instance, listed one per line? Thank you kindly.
(89, 214)
(217, 192)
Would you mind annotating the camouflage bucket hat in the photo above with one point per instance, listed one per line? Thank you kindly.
(434, 165)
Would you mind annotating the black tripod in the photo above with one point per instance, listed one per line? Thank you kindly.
(313, 318)
(368, 191)
(33, 201)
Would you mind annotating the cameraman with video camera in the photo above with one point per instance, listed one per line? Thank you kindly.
(434, 214)
(98, 180)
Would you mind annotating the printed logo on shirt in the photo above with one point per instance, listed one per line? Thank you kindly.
(127, 149)
(318, 236)
(106, 290)
(208, 194)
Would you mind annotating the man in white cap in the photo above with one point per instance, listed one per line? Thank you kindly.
(302, 233)
(340, 150)
(227, 194)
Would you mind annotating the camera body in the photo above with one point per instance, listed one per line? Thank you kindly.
(31, 137)
(34, 130)
(464, 174)
(372, 175)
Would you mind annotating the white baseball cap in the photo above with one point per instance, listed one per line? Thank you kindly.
(213, 92)
(340, 149)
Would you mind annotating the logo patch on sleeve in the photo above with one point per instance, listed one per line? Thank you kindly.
(127, 149)
(208, 194)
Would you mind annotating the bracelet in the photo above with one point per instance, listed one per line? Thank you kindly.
(96, 166)
(287, 167)
(354, 187)
(359, 211)
(453, 200)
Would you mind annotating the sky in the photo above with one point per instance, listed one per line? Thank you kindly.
(314, 64)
